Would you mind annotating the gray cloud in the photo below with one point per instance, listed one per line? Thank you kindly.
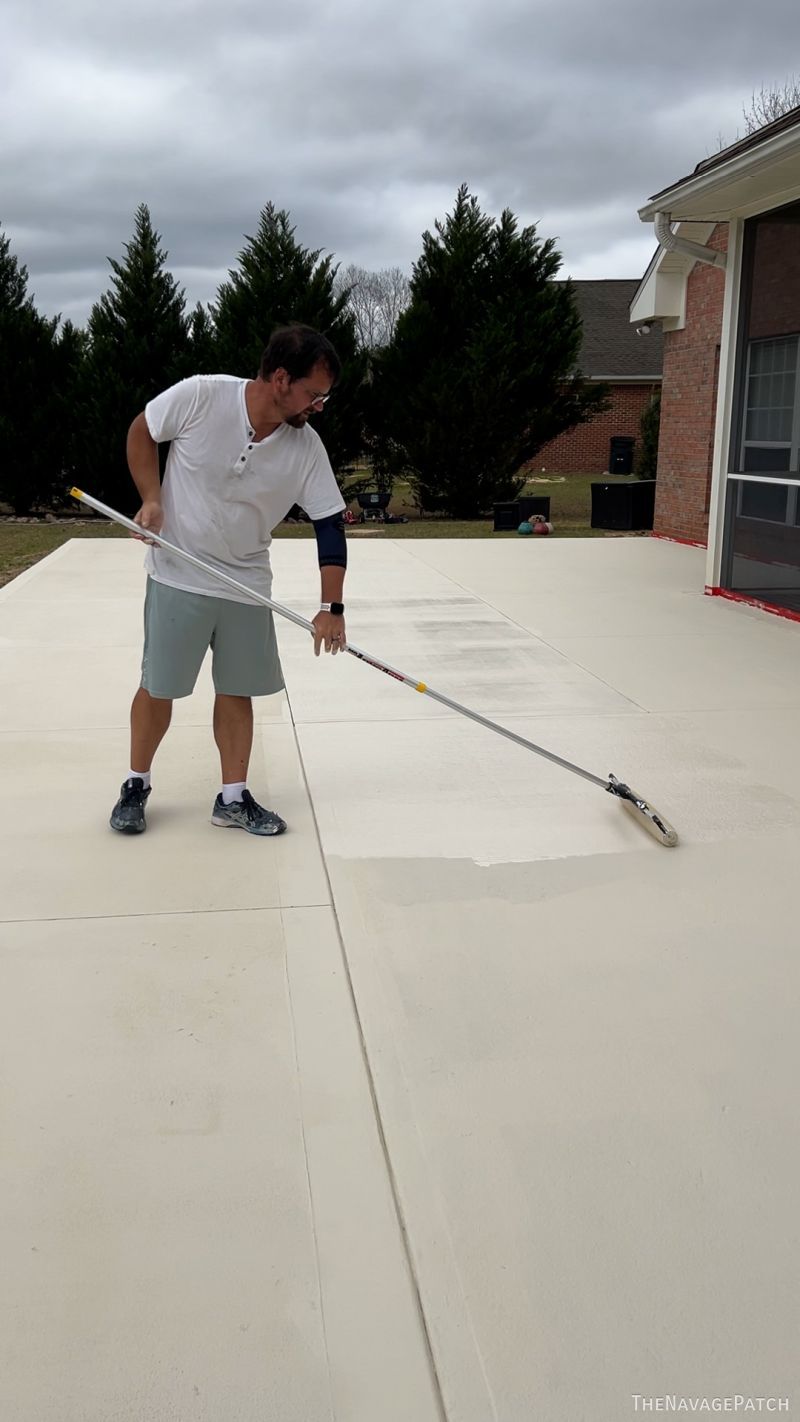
(361, 119)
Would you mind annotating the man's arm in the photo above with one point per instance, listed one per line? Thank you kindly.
(331, 584)
(332, 552)
(142, 452)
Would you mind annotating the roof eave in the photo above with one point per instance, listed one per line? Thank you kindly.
(692, 199)
(661, 295)
(624, 379)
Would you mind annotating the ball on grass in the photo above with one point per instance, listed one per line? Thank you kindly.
(525, 528)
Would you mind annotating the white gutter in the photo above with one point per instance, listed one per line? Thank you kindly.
(695, 194)
(672, 243)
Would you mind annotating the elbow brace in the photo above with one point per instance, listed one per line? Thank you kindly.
(331, 542)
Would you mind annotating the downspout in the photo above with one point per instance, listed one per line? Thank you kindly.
(671, 243)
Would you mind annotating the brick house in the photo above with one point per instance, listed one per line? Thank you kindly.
(724, 285)
(612, 353)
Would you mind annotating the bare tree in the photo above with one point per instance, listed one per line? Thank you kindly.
(770, 104)
(396, 294)
(764, 108)
(376, 300)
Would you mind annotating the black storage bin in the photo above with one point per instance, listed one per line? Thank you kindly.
(624, 506)
(620, 454)
(530, 504)
(507, 517)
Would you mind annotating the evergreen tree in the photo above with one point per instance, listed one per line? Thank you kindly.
(279, 281)
(138, 344)
(30, 433)
(71, 348)
(203, 341)
(481, 371)
(647, 453)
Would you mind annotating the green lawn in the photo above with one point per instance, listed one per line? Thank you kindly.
(570, 514)
(22, 544)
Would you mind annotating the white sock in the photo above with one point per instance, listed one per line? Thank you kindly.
(233, 792)
(140, 775)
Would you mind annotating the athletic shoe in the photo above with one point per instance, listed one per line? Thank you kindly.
(246, 814)
(127, 815)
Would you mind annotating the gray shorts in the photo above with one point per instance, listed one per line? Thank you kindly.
(179, 628)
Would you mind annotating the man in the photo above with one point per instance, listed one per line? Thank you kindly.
(241, 454)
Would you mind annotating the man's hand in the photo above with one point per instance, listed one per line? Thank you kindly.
(329, 631)
(150, 516)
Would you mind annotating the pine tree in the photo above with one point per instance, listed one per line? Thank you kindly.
(203, 342)
(480, 373)
(71, 349)
(279, 281)
(138, 344)
(647, 453)
(31, 454)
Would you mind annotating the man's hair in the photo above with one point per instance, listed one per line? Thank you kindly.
(297, 349)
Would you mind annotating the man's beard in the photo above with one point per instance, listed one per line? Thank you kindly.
(297, 421)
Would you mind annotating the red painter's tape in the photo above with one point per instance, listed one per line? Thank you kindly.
(685, 542)
(770, 607)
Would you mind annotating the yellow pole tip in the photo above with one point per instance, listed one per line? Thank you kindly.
(76, 493)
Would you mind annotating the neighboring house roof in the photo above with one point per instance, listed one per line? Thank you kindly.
(611, 349)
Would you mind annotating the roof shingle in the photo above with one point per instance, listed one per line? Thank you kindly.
(610, 345)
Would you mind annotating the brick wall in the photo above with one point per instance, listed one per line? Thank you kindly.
(584, 449)
(775, 298)
(688, 405)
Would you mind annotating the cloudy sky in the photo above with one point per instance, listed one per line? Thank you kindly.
(361, 117)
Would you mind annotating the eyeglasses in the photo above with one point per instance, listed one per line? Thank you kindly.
(320, 399)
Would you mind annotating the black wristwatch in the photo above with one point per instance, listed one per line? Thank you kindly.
(336, 608)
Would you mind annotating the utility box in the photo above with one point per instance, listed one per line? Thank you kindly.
(507, 517)
(624, 506)
(530, 504)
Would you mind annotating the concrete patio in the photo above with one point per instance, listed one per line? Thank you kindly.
(464, 1100)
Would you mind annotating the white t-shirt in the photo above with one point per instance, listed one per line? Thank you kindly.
(223, 493)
